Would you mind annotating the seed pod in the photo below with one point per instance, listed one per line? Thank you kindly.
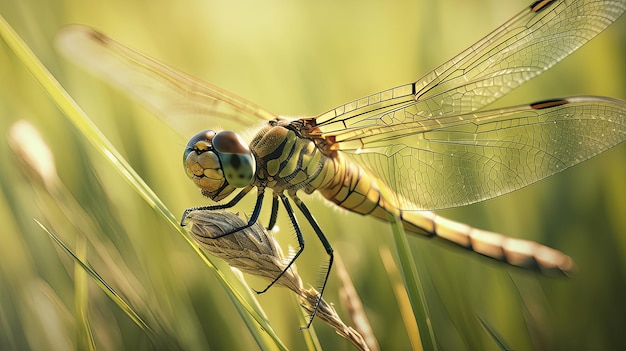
(254, 251)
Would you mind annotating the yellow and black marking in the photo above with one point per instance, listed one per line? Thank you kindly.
(286, 161)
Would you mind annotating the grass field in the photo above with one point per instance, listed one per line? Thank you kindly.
(294, 59)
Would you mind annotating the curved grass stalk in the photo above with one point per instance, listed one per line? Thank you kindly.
(112, 294)
(247, 306)
(413, 284)
(81, 299)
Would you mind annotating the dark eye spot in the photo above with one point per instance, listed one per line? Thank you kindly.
(235, 161)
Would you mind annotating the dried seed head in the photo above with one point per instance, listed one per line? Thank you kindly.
(32, 151)
(251, 250)
(254, 251)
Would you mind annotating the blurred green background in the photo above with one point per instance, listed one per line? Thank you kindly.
(294, 59)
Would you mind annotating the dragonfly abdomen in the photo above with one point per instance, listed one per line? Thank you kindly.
(516, 252)
(355, 189)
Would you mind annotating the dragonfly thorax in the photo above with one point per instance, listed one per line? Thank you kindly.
(218, 163)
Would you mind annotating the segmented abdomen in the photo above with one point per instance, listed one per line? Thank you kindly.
(353, 188)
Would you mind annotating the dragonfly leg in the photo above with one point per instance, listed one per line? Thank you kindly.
(229, 204)
(253, 217)
(274, 213)
(296, 227)
(327, 247)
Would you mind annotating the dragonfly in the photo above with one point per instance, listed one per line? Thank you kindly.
(406, 151)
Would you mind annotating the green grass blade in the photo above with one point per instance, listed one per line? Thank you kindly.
(112, 294)
(493, 333)
(310, 336)
(402, 298)
(413, 284)
(81, 299)
(250, 312)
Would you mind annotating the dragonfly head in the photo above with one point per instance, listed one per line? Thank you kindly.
(218, 163)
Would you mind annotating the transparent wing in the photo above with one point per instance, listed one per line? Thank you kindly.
(178, 98)
(520, 49)
(461, 159)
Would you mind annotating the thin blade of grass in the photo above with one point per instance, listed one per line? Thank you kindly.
(413, 284)
(402, 298)
(81, 299)
(247, 306)
(108, 290)
(309, 335)
(493, 333)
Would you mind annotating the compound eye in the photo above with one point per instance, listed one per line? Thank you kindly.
(237, 161)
